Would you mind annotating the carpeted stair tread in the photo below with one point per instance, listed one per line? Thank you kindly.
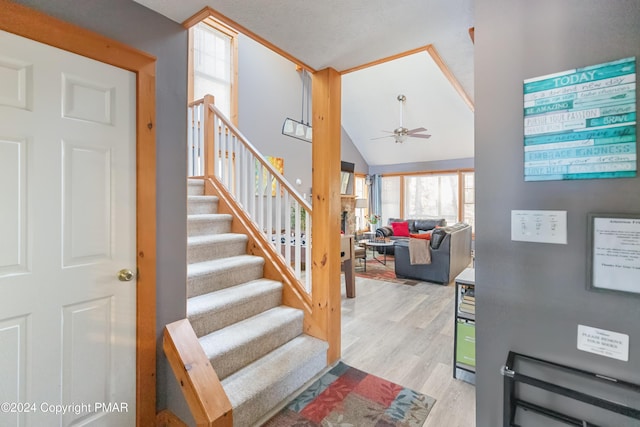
(215, 246)
(195, 187)
(200, 198)
(210, 312)
(237, 345)
(197, 204)
(260, 386)
(208, 217)
(213, 275)
(202, 224)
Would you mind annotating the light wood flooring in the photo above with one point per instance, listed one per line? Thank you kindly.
(405, 334)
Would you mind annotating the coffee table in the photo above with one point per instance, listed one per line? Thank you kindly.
(372, 244)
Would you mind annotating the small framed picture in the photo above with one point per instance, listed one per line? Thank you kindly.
(614, 252)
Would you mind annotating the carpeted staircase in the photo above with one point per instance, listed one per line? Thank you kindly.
(254, 343)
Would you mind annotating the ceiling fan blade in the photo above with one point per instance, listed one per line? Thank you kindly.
(386, 136)
(416, 130)
(419, 135)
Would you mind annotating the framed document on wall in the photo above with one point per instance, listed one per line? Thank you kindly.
(614, 252)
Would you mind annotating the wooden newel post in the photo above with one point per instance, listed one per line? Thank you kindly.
(209, 137)
(325, 256)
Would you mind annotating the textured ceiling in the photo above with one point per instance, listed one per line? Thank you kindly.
(346, 34)
(369, 107)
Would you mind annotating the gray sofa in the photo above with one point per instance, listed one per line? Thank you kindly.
(415, 227)
(450, 254)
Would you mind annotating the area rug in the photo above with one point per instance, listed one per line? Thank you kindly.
(378, 271)
(346, 396)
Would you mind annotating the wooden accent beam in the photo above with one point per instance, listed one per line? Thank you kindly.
(431, 50)
(472, 34)
(43, 28)
(460, 196)
(325, 254)
(385, 59)
(207, 12)
(37, 26)
(429, 172)
(190, 71)
(199, 382)
(449, 75)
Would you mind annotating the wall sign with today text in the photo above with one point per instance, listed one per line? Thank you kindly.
(581, 123)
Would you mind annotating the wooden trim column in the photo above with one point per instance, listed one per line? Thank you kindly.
(325, 255)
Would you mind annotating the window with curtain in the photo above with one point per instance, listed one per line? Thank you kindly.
(213, 65)
(390, 199)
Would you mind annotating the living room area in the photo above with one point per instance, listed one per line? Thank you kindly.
(400, 321)
(424, 231)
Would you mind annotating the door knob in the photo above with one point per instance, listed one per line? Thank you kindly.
(125, 275)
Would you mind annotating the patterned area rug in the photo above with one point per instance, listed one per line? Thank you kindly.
(378, 271)
(346, 396)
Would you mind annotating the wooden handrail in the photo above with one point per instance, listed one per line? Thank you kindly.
(277, 175)
(199, 382)
(196, 102)
(166, 418)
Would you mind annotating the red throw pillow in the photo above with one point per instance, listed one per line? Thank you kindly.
(425, 236)
(400, 229)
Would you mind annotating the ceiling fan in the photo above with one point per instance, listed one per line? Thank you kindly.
(401, 133)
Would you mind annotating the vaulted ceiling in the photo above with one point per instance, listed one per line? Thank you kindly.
(347, 34)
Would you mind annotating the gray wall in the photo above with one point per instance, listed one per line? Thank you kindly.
(438, 165)
(270, 90)
(531, 296)
(137, 26)
(349, 153)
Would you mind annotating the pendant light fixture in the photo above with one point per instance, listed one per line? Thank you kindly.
(301, 129)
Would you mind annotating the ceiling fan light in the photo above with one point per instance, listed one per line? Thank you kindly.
(401, 133)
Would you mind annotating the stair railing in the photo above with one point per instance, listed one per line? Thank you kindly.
(195, 136)
(258, 187)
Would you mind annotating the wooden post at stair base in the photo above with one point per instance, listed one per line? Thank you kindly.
(325, 254)
(209, 137)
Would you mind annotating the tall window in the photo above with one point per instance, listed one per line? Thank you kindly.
(213, 65)
(390, 198)
(431, 196)
(469, 202)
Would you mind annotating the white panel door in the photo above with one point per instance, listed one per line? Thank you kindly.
(67, 226)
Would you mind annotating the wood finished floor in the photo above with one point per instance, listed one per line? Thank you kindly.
(405, 334)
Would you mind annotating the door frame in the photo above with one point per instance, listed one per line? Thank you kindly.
(37, 26)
